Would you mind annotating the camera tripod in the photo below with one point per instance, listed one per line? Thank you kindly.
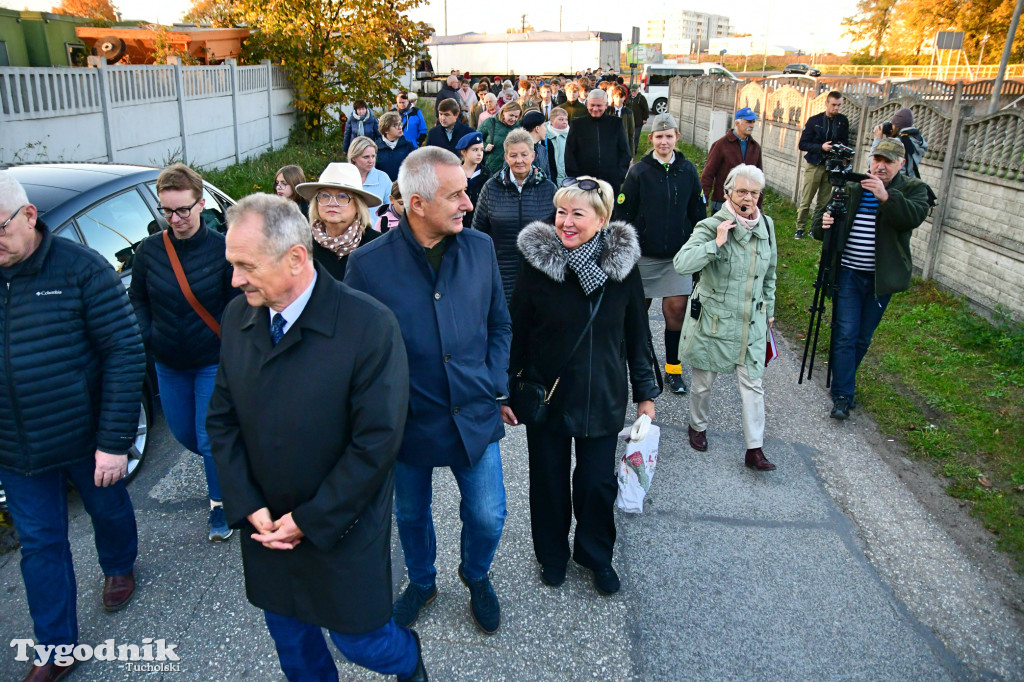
(826, 284)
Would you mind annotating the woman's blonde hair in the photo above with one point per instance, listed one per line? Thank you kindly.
(389, 120)
(362, 210)
(511, 106)
(359, 145)
(600, 200)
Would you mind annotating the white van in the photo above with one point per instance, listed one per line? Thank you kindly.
(654, 80)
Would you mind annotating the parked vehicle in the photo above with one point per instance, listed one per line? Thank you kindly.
(802, 70)
(655, 77)
(110, 208)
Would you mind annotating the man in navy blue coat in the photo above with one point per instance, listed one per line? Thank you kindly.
(449, 129)
(443, 285)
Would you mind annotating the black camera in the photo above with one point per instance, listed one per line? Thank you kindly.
(887, 128)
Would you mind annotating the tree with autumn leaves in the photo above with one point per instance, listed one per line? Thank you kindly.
(334, 51)
(890, 28)
(100, 10)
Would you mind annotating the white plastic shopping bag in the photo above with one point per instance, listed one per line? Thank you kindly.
(636, 469)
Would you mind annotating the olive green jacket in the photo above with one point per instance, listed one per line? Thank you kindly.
(736, 292)
(898, 216)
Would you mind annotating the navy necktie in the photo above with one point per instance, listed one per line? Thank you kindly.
(276, 328)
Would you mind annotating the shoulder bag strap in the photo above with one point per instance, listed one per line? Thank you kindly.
(179, 274)
(586, 329)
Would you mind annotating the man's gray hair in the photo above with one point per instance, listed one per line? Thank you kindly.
(518, 136)
(284, 226)
(12, 194)
(598, 94)
(751, 173)
(417, 175)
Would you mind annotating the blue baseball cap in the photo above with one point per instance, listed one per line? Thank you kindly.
(468, 140)
(747, 114)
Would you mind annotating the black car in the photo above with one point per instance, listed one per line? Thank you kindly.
(802, 70)
(110, 208)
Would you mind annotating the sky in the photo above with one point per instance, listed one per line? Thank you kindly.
(796, 23)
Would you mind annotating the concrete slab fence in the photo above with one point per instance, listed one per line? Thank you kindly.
(207, 116)
(973, 240)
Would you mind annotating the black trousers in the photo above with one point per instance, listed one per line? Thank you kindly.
(591, 497)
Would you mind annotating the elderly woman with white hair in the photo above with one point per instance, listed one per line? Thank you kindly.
(578, 321)
(732, 307)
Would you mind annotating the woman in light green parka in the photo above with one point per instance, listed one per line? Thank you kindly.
(732, 307)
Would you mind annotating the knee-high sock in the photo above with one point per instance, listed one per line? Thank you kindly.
(672, 347)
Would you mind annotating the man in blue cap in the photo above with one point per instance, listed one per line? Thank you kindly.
(736, 147)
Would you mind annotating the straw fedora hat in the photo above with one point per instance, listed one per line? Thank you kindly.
(343, 176)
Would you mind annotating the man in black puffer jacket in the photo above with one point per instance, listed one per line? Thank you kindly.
(185, 346)
(597, 144)
(517, 196)
(70, 390)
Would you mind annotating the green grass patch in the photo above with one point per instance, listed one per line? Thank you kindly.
(943, 380)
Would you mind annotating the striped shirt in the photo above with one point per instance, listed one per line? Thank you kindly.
(859, 253)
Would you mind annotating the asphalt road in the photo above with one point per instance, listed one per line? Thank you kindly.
(825, 569)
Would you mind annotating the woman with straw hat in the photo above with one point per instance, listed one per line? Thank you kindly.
(339, 215)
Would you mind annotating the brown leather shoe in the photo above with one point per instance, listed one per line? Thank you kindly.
(50, 672)
(698, 439)
(118, 591)
(756, 460)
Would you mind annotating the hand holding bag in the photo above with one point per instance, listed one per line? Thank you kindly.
(529, 399)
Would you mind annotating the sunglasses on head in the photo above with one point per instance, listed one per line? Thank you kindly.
(586, 184)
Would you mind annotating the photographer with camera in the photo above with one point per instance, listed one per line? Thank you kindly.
(820, 132)
(870, 253)
(901, 127)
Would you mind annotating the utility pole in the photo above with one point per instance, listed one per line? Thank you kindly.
(446, 17)
(997, 87)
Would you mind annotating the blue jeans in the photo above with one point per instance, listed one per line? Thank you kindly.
(714, 207)
(185, 395)
(857, 314)
(304, 657)
(39, 509)
(482, 511)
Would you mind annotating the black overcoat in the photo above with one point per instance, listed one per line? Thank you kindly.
(550, 310)
(312, 427)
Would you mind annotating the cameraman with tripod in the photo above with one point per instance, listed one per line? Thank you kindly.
(870, 252)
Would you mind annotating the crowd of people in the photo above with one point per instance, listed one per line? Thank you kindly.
(395, 316)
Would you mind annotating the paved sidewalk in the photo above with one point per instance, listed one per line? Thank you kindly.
(827, 568)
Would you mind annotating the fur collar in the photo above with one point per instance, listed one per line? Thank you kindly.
(540, 245)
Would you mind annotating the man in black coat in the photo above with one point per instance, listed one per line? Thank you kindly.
(70, 390)
(450, 90)
(597, 144)
(820, 132)
(305, 422)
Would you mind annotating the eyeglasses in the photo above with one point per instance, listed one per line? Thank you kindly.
(325, 199)
(183, 213)
(3, 228)
(752, 193)
(587, 185)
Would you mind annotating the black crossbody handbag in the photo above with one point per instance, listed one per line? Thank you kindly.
(530, 400)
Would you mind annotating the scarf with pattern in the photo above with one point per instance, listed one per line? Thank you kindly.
(342, 245)
(583, 261)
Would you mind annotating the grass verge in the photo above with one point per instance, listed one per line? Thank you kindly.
(944, 381)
